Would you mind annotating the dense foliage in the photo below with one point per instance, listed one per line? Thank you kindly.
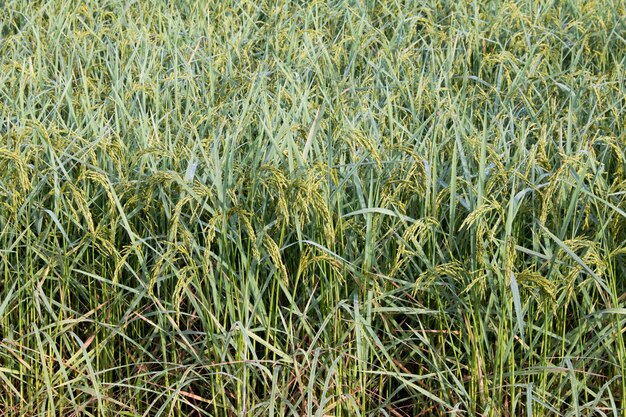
(312, 208)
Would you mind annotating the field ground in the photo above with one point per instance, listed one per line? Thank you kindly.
(312, 208)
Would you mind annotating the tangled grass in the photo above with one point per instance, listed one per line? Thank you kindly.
(342, 208)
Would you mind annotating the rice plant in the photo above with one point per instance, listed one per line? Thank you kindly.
(323, 208)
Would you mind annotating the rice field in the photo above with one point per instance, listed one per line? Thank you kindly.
(313, 208)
